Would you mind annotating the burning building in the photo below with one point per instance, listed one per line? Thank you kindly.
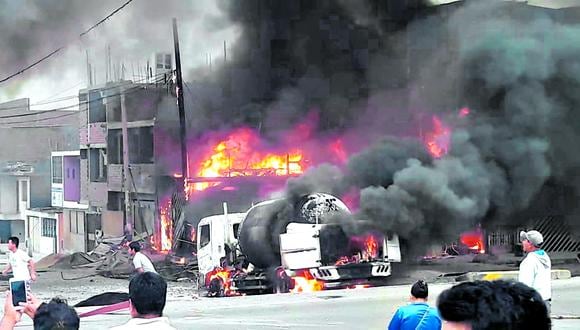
(432, 119)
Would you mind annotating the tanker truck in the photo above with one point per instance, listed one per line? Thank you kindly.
(278, 245)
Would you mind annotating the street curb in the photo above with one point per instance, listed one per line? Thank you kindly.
(557, 274)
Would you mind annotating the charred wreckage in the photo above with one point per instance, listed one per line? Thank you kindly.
(278, 247)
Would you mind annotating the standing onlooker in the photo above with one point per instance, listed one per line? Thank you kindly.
(19, 262)
(147, 295)
(536, 268)
(140, 261)
(418, 315)
(492, 305)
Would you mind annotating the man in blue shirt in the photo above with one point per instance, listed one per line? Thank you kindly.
(418, 315)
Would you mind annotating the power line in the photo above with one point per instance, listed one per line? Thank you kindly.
(127, 91)
(62, 47)
(104, 19)
(70, 97)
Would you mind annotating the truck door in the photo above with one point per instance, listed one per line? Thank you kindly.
(393, 249)
(300, 249)
(204, 248)
(211, 241)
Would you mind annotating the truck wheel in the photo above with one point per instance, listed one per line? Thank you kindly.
(216, 288)
(282, 282)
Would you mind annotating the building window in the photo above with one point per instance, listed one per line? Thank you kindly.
(57, 169)
(48, 227)
(141, 145)
(115, 201)
(97, 110)
(98, 164)
(168, 61)
(115, 146)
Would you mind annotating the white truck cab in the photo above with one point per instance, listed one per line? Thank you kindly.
(215, 235)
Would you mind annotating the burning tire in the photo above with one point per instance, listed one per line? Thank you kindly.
(216, 288)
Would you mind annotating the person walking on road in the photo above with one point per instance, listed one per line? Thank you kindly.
(418, 315)
(19, 262)
(141, 262)
(536, 268)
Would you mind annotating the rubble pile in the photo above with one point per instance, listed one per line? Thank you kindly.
(111, 258)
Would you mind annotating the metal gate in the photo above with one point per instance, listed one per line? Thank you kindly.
(557, 236)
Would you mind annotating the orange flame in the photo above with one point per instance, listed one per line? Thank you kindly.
(163, 241)
(224, 276)
(371, 247)
(305, 282)
(237, 155)
(437, 141)
(193, 234)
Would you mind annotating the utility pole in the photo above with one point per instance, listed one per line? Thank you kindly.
(181, 109)
(128, 225)
(177, 217)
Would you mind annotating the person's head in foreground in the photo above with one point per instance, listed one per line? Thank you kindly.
(492, 305)
(419, 291)
(147, 294)
(56, 315)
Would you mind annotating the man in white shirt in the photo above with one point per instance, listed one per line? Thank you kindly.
(536, 268)
(147, 296)
(140, 261)
(19, 262)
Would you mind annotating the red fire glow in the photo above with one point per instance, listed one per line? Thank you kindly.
(473, 240)
(371, 247)
(163, 242)
(305, 282)
(223, 275)
(366, 248)
(337, 148)
(437, 141)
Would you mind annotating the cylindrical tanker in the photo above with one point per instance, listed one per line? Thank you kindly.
(259, 232)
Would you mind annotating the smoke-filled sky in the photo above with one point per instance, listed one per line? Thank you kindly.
(32, 29)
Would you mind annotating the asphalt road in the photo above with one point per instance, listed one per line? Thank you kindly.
(369, 308)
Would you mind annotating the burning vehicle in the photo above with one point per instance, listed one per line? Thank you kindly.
(279, 247)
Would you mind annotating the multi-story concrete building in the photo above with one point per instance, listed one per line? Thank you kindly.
(103, 181)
